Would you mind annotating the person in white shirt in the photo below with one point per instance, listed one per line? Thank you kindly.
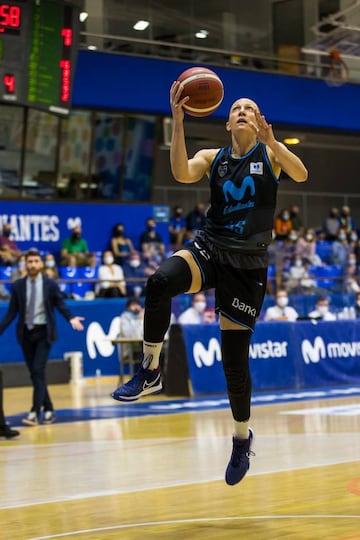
(281, 311)
(195, 313)
(111, 278)
(321, 311)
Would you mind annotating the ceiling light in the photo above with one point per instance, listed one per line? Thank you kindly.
(292, 140)
(141, 25)
(83, 16)
(202, 34)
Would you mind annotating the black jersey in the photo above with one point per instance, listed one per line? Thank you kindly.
(243, 200)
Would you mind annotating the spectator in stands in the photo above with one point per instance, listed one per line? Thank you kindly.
(50, 269)
(282, 225)
(136, 273)
(20, 270)
(296, 221)
(152, 246)
(177, 228)
(111, 278)
(132, 326)
(281, 311)
(198, 313)
(306, 248)
(340, 249)
(346, 221)
(9, 250)
(350, 280)
(357, 305)
(121, 245)
(195, 221)
(321, 311)
(331, 224)
(75, 245)
(299, 279)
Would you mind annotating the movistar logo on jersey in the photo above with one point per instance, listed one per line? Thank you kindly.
(239, 197)
(256, 168)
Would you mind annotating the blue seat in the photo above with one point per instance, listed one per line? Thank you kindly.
(5, 274)
(323, 250)
(68, 272)
(326, 276)
(85, 272)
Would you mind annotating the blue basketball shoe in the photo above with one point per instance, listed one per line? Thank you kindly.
(239, 461)
(143, 383)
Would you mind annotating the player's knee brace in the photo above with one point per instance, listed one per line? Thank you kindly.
(172, 278)
(235, 359)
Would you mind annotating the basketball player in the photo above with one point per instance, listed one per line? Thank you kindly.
(229, 254)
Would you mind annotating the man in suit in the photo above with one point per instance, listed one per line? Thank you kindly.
(34, 299)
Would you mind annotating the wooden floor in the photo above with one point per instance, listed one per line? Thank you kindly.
(161, 476)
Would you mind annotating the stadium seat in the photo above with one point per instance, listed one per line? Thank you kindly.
(326, 276)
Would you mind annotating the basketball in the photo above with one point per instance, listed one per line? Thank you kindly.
(204, 88)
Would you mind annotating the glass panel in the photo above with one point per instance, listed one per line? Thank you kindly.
(11, 125)
(140, 135)
(109, 140)
(76, 133)
(40, 164)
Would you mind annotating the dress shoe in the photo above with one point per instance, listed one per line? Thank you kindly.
(8, 433)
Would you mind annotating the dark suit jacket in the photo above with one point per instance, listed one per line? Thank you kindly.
(17, 306)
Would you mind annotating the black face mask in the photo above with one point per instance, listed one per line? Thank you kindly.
(7, 233)
(150, 228)
(76, 236)
(120, 232)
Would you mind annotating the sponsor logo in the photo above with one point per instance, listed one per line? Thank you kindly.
(151, 383)
(73, 222)
(314, 352)
(207, 356)
(222, 169)
(97, 341)
(256, 168)
(237, 304)
(268, 349)
(239, 197)
(32, 228)
(202, 251)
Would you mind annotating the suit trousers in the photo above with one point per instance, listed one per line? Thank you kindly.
(36, 348)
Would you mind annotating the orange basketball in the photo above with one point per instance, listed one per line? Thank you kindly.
(204, 88)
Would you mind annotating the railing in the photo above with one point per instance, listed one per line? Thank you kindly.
(115, 44)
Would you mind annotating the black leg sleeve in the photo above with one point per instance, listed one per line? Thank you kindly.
(172, 278)
(235, 358)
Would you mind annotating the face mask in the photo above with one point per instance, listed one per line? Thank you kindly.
(353, 237)
(76, 236)
(342, 237)
(119, 232)
(286, 216)
(108, 260)
(309, 237)
(352, 261)
(21, 265)
(150, 228)
(200, 306)
(134, 263)
(358, 303)
(49, 264)
(293, 237)
(7, 233)
(298, 262)
(178, 213)
(282, 301)
(323, 310)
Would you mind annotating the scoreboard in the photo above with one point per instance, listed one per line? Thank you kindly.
(39, 41)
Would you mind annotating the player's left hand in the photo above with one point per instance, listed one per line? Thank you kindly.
(263, 130)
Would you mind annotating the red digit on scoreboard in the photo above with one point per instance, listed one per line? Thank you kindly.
(9, 83)
(10, 16)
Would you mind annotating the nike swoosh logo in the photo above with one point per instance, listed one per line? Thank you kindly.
(152, 383)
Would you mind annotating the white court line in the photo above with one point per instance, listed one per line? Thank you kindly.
(192, 520)
(89, 495)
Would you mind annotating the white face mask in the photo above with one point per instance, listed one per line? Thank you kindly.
(309, 237)
(108, 260)
(323, 310)
(134, 264)
(298, 262)
(200, 306)
(50, 263)
(282, 301)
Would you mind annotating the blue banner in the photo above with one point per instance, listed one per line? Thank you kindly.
(45, 225)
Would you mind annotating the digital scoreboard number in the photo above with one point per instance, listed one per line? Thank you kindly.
(38, 49)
